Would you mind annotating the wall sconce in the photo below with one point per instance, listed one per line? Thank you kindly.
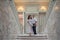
(20, 9)
(56, 8)
(43, 9)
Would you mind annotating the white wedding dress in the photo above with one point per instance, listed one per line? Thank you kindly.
(29, 26)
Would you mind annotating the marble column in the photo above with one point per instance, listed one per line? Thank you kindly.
(53, 23)
(9, 26)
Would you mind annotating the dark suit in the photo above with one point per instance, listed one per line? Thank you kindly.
(34, 28)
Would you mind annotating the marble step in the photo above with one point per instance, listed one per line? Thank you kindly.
(32, 37)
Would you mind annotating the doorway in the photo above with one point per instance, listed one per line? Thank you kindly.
(26, 24)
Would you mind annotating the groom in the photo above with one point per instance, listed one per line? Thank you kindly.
(34, 24)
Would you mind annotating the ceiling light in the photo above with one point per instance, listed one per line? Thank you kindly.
(20, 9)
(43, 8)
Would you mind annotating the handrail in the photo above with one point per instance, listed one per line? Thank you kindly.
(14, 12)
(51, 5)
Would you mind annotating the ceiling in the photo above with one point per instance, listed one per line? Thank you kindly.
(24, 3)
(31, 0)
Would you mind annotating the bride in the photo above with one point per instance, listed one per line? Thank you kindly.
(29, 21)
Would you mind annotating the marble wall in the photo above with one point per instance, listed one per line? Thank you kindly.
(9, 26)
(53, 23)
(58, 20)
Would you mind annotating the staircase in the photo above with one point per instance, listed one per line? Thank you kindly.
(33, 37)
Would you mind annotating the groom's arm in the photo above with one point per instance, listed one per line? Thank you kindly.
(36, 21)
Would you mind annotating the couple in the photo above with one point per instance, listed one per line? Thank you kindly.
(32, 21)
